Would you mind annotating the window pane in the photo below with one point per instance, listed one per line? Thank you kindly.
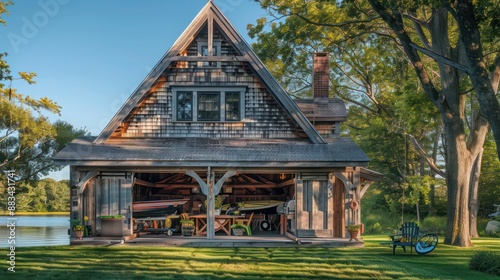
(232, 106)
(204, 52)
(184, 106)
(208, 106)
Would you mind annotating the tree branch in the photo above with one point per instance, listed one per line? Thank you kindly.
(442, 59)
(495, 74)
(342, 24)
(426, 157)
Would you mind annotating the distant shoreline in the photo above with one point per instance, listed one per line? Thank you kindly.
(6, 213)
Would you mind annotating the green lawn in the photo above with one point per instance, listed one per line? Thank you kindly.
(148, 262)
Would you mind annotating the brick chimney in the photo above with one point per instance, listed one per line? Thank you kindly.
(321, 69)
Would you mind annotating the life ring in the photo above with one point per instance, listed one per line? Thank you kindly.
(265, 225)
(354, 205)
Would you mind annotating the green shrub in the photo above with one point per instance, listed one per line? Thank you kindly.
(435, 224)
(488, 262)
(380, 222)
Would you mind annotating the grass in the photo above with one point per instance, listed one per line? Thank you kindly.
(157, 262)
(6, 213)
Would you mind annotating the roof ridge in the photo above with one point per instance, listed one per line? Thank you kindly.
(210, 10)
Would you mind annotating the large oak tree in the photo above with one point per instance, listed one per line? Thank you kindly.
(451, 47)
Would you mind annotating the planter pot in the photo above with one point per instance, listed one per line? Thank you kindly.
(238, 231)
(187, 230)
(217, 212)
(354, 235)
(78, 234)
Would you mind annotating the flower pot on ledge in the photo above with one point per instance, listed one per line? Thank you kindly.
(238, 231)
(187, 230)
(354, 235)
(78, 234)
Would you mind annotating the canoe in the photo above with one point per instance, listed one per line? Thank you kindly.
(152, 205)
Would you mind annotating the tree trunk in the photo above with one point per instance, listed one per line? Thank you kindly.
(473, 196)
(480, 79)
(451, 104)
(432, 193)
(458, 170)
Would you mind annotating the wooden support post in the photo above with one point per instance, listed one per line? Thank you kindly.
(211, 190)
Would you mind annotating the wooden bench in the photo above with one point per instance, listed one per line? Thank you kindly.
(409, 235)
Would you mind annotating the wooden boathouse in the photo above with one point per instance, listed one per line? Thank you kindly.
(210, 120)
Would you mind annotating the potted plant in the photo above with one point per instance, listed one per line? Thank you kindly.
(238, 229)
(187, 225)
(78, 230)
(219, 199)
(353, 230)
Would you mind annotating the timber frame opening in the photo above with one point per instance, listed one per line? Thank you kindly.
(321, 198)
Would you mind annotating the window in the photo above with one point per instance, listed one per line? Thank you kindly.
(203, 51)
(184, 106)
(233, 106)
(208, 104)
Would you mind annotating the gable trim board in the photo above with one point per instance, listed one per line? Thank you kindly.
(211, 11)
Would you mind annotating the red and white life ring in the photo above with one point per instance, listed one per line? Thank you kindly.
(354, 205)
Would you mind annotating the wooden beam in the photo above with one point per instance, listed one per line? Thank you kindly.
(83, 182)
(172, 178)
(365, 188)
(210, 24)
(263, 179)
(145, 183)
(348, 185)
(286, 183)
(221, 181)
(211, 58)
(203, 185)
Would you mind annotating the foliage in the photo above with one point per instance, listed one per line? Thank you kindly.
(187, 223)
(489, 185)
(218, 201)
(392, 104)
(488, 262)
(353, 227)
(3, 9)
(46, 195)
(78, 228)
(238, 226)
(28, 140)
(434, 224)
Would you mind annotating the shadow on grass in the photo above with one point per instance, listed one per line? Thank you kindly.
(140, 262)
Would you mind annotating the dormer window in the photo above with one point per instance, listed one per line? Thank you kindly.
(202, 104)
(203, 51)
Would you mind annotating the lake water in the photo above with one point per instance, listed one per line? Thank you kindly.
(36, 230)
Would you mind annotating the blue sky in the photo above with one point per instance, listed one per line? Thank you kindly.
(90, 55)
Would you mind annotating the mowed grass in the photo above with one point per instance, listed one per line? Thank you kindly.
(158, 262)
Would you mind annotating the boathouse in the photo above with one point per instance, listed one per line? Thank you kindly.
(210, 120)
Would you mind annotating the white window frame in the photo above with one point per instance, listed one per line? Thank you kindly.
(221, 90)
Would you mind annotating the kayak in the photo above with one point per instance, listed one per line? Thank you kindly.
(255, 205)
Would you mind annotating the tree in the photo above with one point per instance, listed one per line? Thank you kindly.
(489, 186)
(449, 70)
(28, 140)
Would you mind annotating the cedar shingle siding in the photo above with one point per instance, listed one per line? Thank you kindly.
(263, 116)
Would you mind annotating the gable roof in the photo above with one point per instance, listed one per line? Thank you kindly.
(219, 152)
(211, 12)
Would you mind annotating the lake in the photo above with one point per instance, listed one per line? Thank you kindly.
(36, 230)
